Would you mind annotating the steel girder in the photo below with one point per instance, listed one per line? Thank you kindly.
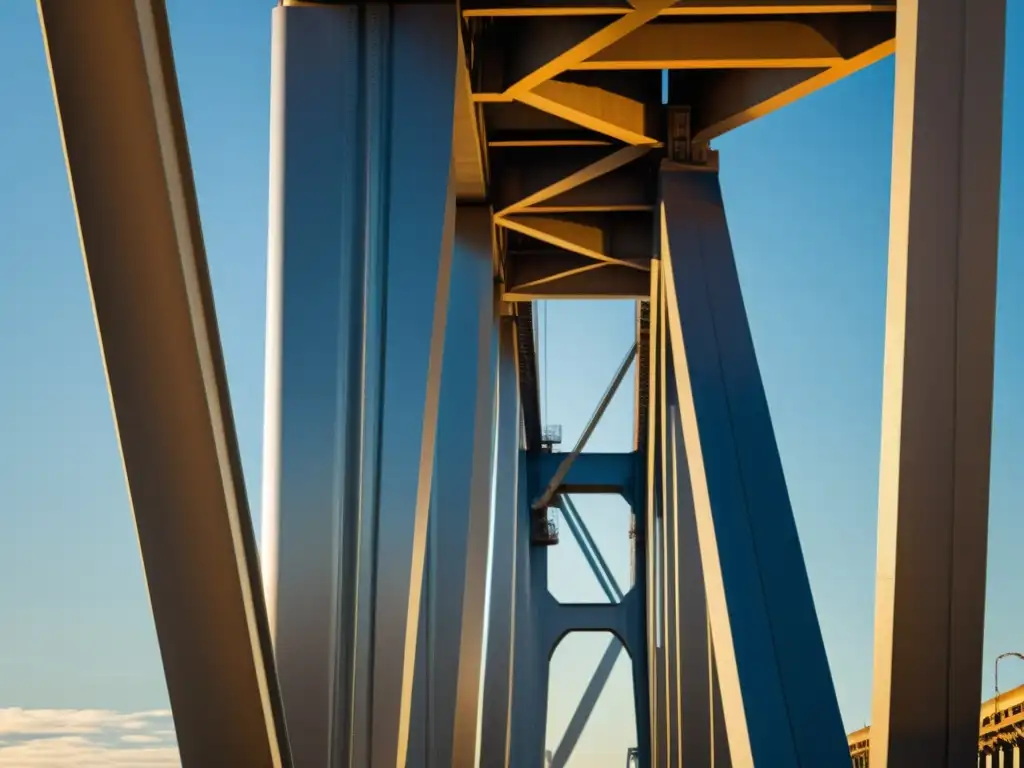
(124, 140)
(557, 121)
(778, 699)
(937, 395)
(362, 228)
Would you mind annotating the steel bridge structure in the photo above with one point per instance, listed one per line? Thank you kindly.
(435, 167)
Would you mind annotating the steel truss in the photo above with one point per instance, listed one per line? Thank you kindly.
(436, 167)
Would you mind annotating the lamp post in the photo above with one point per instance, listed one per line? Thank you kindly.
(995, 700)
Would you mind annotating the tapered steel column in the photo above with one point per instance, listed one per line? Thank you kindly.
(361, 226)
(124, 141)
(497, 712)
(937, 397)
(779, 702)
(462, 512)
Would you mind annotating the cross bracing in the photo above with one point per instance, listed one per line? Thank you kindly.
(435, 168)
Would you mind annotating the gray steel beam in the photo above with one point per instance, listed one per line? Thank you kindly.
(124, 139)
(361, 228)
(530, 671)
(501, 630)
(461, 515)
(779, 702)
(310, 535)
(590, 473)
(937, 396)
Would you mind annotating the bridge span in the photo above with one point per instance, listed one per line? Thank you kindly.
(436, 167)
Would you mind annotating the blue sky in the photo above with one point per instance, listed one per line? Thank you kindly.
(807, 191)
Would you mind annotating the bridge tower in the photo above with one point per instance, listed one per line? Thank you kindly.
(435, 167)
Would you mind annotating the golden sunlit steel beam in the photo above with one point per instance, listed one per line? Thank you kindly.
(557, 274)
(644, 11)
(733, 98)
(577, 178)
(515, 8)
(468, 139)
(718, 45)
(597, 109)
(573, 236)
(121, 122)
(936, 431)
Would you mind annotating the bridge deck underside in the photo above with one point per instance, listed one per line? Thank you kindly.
(574, 105)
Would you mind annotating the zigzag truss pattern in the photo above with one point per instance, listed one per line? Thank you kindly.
(770, 62)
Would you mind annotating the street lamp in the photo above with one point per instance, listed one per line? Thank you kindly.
(995, 701)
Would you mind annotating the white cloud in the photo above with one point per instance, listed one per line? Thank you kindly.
(86, 738)
(140, 738)
(29, 721)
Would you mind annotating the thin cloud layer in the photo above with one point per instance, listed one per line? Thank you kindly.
(86, 738)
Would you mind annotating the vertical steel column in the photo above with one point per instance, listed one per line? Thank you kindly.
(419, 720)
(360, 253)
(530, 676)
(693, 652)
(315, 309)
(937, 397)
(127, 155)
(652, 545)
(778, 698)
(669, 599)
(501, 631)
(461, 518)
(720, 757)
